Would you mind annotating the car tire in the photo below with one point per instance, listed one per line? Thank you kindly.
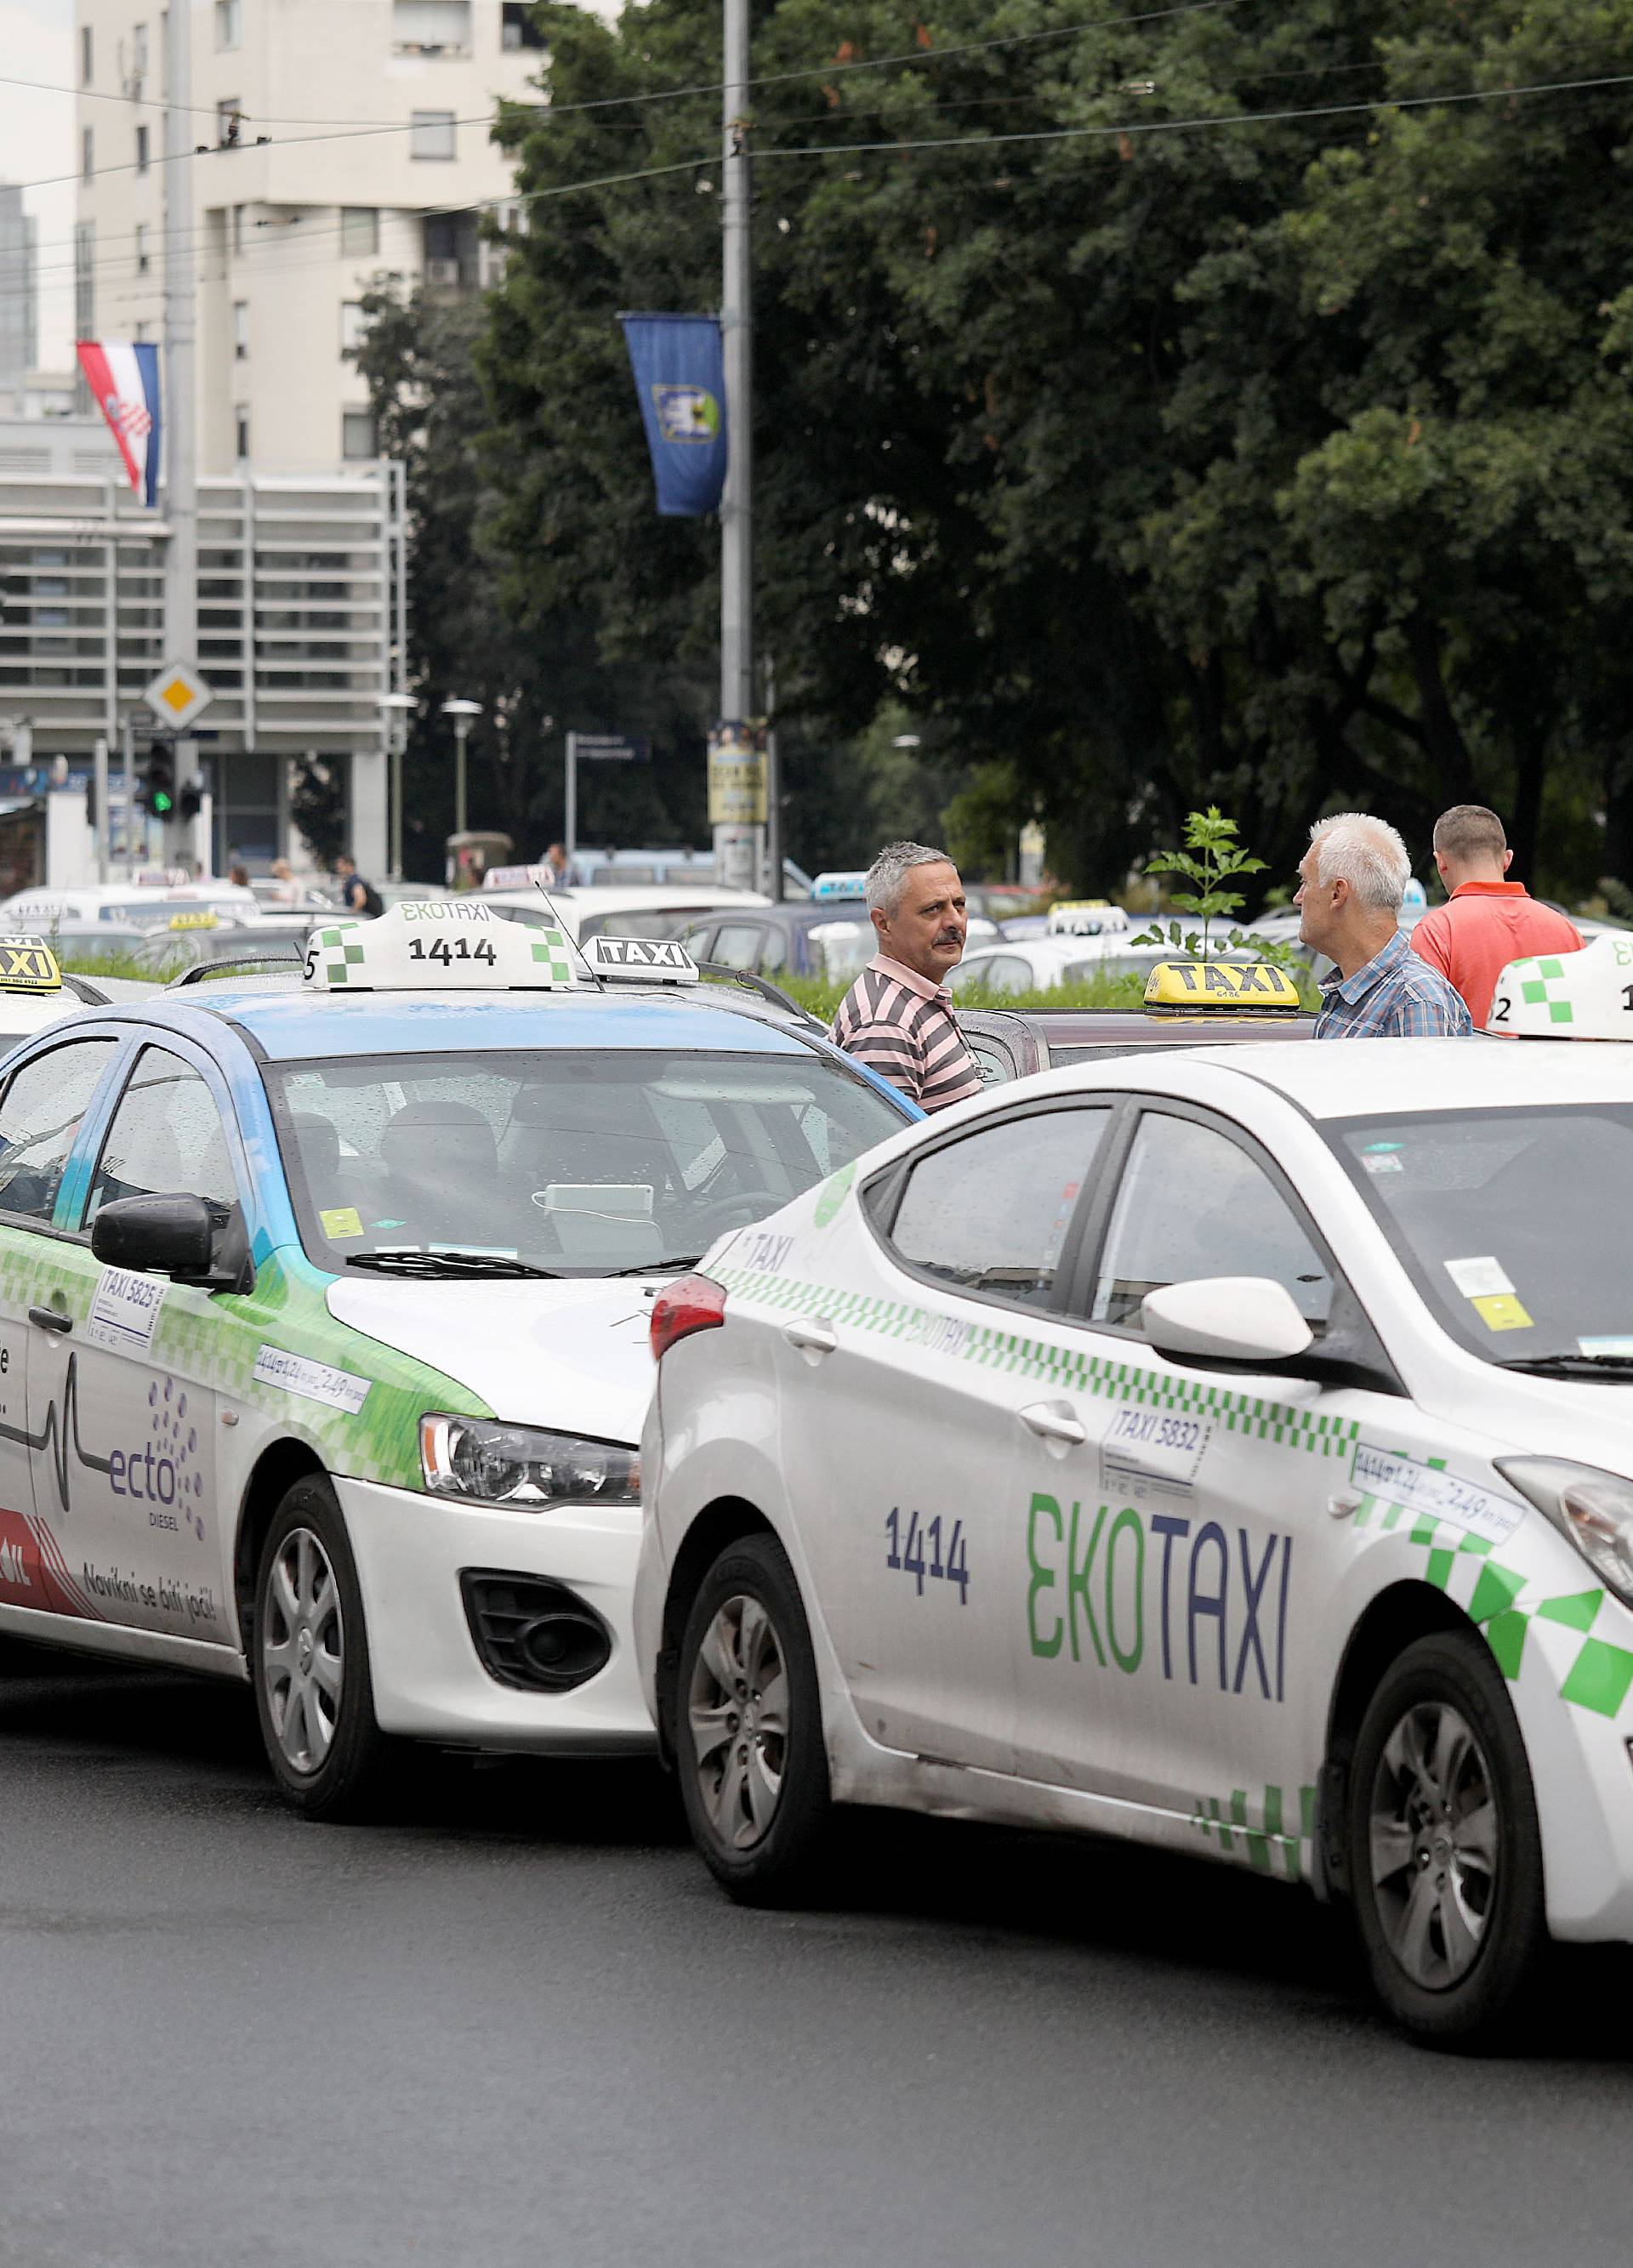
(746, 1731)
(308, 1662)
(1444, 1853)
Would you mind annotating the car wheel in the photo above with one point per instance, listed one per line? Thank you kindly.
(1446, 1858)
(309, 1661)
(748, 1731)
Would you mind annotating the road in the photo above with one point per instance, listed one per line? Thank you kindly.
(518, 2024)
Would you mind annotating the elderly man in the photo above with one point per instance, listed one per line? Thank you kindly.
(1487, 921)
(897, 1017)
(1350, 884)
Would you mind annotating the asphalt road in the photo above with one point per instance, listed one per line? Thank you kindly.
(520, 2025)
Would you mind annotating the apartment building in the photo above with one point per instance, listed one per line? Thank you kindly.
(341, 140)
(19, 311)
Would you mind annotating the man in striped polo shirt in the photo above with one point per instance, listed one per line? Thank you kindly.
(897, 1017)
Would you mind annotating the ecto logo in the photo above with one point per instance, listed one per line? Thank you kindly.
(162, 1471)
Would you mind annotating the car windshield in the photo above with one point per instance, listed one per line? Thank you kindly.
(573, 1162)
(1508, 1224)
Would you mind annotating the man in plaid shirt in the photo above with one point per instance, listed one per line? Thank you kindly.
(1351, 882)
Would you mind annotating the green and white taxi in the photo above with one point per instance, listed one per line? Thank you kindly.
(1230, 1450)
(323, 1320)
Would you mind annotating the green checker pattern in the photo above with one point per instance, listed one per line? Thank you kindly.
(1600, 1674)
(1272, 1844)
(552, 953)
(1534, 990)
(1064, 1367)
(214, 1342)
(340, 954)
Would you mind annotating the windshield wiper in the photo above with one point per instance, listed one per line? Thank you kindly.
(405, 1262)
(1569, 1360)
(654, 1266)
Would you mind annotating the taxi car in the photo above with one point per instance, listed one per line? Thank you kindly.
(323, 1320)
(1229, 1450)
(34, 994)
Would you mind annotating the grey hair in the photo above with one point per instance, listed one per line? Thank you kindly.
(889, 870)
(1367, 853)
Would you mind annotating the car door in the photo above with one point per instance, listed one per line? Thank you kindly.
(45, 1106)
(120, 1395)
(899, 1410)
(1165, 1632)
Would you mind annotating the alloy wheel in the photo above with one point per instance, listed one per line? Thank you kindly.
(1433, 1832)
(737, 1714)
(303, 1650)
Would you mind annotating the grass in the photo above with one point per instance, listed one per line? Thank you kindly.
(1124, 992)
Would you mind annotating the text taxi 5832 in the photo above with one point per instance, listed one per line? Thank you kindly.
(323, 1316)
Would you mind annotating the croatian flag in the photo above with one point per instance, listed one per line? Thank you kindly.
(124, 378)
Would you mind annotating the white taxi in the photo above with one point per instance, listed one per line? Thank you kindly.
(1231, 1450)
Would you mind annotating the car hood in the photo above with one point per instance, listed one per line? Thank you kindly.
(1586, 1422)
(573, 1356)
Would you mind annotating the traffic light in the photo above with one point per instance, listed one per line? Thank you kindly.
(156, 782)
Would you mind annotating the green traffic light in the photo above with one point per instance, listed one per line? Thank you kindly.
(161, 803)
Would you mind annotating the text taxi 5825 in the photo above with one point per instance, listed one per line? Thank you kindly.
(323, 1316)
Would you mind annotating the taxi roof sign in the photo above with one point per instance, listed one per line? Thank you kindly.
(1086, 917)
(438, 944)
(1190, 988)
(640, 960)
(1568, 996)
(27, 964)
(203, 918)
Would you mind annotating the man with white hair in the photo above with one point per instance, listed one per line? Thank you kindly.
(1351, 882)
(897, 1017)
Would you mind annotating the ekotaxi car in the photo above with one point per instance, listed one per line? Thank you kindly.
(323, 1320)
(1231, 1450)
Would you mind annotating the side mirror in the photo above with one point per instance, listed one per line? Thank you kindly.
(166, 1235)
(1225, 1319)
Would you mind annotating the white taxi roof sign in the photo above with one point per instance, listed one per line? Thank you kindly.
(1568, 996)
(1086, 917)
(438, 944)
(640, 960)
(27, 964)
(1191, 987)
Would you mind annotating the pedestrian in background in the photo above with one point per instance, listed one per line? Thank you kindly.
(1350, 884)
(897, 1017)
(1487, 921)
(357, 895)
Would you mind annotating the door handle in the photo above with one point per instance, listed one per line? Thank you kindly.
(1054, 1424)
(811, 1339)
(51, 1319)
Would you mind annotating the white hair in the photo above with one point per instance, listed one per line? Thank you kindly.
(1367, 853)
(890, 870)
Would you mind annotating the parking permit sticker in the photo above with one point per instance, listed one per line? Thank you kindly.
(1481, 1278)
(1152, 1452)
(341, 1221)
(1397, 1478)
(314, 1382)
(124, 1310)
(1500, 1312)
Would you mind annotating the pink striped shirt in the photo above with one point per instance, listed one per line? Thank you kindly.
(902, 1026)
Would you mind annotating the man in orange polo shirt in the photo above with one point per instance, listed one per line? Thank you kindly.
(1489, 921)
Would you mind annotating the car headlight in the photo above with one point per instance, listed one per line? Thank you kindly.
(1594, 1509)
(524, 1466)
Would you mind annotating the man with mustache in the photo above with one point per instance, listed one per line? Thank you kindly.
(897, 1017)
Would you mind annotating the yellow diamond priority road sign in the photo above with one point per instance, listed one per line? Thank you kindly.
(178, 695)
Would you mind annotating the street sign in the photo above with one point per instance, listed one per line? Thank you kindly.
(178, 695)
(737, 785)
(612, 747)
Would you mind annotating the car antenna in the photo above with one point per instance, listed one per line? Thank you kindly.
(600, 982)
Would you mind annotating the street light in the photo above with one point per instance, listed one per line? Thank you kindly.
(395, 708)
(463, 713)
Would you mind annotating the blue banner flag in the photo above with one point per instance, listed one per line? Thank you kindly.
(680, 378)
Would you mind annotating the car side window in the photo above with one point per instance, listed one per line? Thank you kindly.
(737, 944)
(991, 1212)
(166, 1138)
(43, 1110)
(1191, 1203)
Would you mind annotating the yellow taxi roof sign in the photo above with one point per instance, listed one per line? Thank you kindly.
(27, 964)
(1568, 996)
(202, 919)
(1192, 987)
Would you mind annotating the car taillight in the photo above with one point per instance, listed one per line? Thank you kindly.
(691, 1303)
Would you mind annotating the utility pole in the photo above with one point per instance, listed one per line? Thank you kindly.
(737, 501)
(180, 439)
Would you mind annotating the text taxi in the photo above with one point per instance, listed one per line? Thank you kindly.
(323, 1320)
(1228, 1449)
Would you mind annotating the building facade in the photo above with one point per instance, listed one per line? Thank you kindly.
(340, 141)
(19, 311)
(300, 609)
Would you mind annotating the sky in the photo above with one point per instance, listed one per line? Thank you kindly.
(36, 139)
